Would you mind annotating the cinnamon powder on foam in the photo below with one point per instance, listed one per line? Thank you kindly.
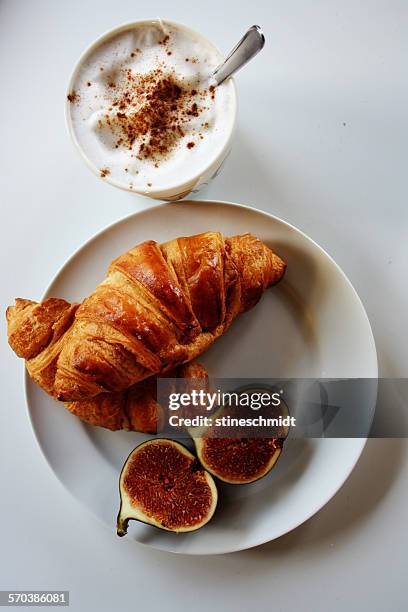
(152, 109)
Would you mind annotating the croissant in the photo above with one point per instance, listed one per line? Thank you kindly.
(136, 408)
(160, 306)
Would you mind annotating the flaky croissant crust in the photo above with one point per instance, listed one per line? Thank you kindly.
(159, 306)
(135, 408)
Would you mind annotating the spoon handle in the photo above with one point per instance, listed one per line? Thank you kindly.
(249, 45)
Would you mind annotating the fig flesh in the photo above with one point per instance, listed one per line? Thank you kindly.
(163, 484)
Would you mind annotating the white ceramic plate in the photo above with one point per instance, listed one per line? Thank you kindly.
(312, 324)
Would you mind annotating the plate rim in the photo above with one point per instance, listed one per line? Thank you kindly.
(359, 442)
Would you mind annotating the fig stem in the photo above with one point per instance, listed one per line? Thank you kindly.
(122, 526)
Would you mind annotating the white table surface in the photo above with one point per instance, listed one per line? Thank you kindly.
(322, 142)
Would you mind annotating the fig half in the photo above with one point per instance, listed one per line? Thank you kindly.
(163, 484)
(239, 460)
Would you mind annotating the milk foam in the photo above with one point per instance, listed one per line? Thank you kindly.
(141, 48)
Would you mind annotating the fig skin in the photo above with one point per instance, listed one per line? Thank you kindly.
(178, 499)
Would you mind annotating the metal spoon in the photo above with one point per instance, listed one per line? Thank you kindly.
(249, 45)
